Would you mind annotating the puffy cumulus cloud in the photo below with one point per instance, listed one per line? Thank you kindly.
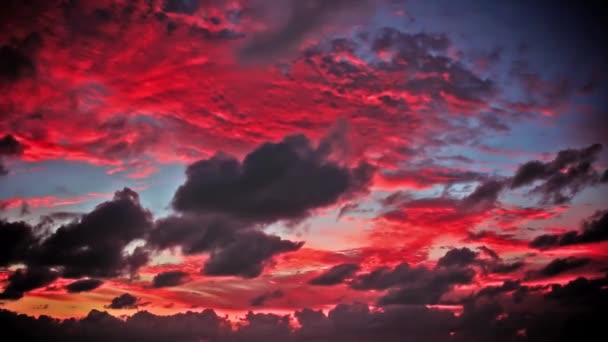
(335, 275)
(224, 203)
(265, 297)
(91, 245)
(124, 301)
(169, 278)
(485, 195)
(24, 280)
(284, 180)
(235, 247)
(595, 229)
(463, 257)
(418, 285)
(247, 254)
(83, 285)
(95, 244)
(428, 288)
(458, 257)
(563, 177)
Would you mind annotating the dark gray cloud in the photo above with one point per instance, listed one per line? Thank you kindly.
(490, 252)
(94, 245)
(236, 247)
(83, 285)
(384, 277)
(581, 292)
(335, 275)
(458, 257)
(124, 301)
(573, 311)
(284, 180)
(507, 286)
(595, 229)
(504, 268)
(264, 297)
(16, 239)
(429, 288)
(14, 64)
(247, 254)
(181, 6)
(24, 280)
(91, 245)
(485, 195)
(194, 233)
(563, 177)
(169, 278)
(9, 146)
(224, 203)
(419, 285)
(558, 266)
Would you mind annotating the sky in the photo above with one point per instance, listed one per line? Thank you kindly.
(301, 170)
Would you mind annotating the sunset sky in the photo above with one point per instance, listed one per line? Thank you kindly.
(304, 170)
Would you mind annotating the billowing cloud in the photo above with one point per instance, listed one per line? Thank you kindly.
(595, 229)
(169, 278)
(457, 257)
(284, 180)
(24, 280)
(124, 301)
(563, 177)
(235, 247)
(94, 245)
(335, 275)
(247, 254)
(419, 285)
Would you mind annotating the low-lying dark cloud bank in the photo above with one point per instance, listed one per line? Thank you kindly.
(511, 312)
